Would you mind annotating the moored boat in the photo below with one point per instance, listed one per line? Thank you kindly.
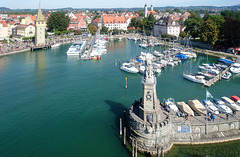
(221, 106)
(129, 68)
(185, 108)
(194, 78)
(197, 107)
(231, 104)
(227, 75)
(210, 107)
(170, 103)
(235, 68)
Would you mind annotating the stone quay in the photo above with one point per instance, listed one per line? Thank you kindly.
(153, 131)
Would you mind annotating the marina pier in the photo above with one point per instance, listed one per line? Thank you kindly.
(216, 78)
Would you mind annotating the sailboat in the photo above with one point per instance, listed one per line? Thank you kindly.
(194, 78)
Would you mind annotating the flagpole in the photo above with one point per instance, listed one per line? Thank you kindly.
(206, 115)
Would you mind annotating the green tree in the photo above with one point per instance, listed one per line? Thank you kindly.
(182, 34)
(231, 32)
(209, 32)
(206, 16)
(97, 16)
(192, 27)
(169, 10)
(104, 30)
(92, 29)
(58, 21)
(233, 14)
(218, 20)
(133, 22)
(177, 10)
(141, 12)
(77, 32)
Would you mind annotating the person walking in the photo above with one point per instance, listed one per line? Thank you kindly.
(227, 116)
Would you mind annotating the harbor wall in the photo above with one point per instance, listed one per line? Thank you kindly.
(167, 133)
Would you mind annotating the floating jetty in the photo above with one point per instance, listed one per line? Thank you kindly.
(40, 47)
(153, 130)
(216, 78)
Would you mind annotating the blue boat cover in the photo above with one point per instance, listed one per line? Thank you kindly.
(228, 62)
(182, 56)
(140, 61)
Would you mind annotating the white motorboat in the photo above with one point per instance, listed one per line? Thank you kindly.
(55, 45)
(210, 107)
(227, 75)
(157, 53)
(235, 68)
(156, 70)
(142, 69)
(209, 75)
(143, 45)
(194, 78)
(171, 104)
(231, 104)
(129, 68)
(76, 48)
(208, 68)
(221, 106)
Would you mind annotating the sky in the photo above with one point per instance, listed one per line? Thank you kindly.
(54, 4)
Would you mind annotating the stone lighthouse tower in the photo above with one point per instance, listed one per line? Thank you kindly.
(40, 26)
(150, 127)
(145, 10)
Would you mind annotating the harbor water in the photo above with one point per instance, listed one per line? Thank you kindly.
(54, 105)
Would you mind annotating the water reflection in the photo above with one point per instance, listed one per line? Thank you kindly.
(40, 68)
(3, 63)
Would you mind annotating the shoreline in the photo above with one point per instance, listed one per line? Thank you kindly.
(29, 49)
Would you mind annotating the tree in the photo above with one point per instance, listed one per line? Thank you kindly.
(58, 21)
(97, 16)
(141, 13)
(218, 20)
(169, 10)
(233, 14)
(182, 34)
(231, 32)
(104, 30)
(192, 27)
(92, 29)
(209, 32)
(77, 32)
(206, 16)
(177, 10)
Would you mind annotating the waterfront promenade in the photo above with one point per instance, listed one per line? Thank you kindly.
(26, 46)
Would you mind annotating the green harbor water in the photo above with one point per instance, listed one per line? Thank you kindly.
(53, 105)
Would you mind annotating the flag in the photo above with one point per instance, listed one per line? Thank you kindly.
(208, 95)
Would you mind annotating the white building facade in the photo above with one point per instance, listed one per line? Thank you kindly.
(166, 26)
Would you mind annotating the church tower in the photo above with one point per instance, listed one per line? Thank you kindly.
(151, 7)
(145, 10)
(40, 26)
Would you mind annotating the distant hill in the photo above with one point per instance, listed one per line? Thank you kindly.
(4, 9)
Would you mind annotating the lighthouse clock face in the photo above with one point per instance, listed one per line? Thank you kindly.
(148, 96)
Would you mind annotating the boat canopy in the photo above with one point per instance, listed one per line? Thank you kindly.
(225, 61)
(182, 56)
(139, 60)
(235, 98)
(185, 108)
